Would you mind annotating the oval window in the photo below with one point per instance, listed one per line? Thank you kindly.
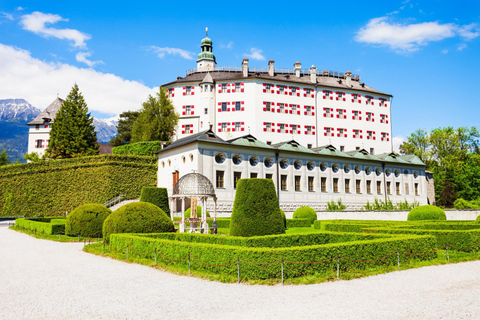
(346, 168)
(357, 169)
(297, 164)
(253, 161)
(220, 157)
(415, 174)
(310, 165)
(323, 166)
(284, 163)
(368, 170)
(378, 171)
(268, 162)
(237, 159)
(388, 172)
(397, 173)
(335, 167)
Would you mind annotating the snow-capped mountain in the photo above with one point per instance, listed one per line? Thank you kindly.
(106, 129)
(17, 109)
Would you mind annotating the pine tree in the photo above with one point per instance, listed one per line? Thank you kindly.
(73, 133)
(124, 128)
(157, 119)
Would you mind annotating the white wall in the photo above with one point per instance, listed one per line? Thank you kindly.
(41, 134)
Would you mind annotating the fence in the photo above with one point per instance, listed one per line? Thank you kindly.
(283, 262)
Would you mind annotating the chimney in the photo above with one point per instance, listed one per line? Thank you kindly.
(245, 67)
(297, 66)
(271, 71)
(348, 79)
(313, 74)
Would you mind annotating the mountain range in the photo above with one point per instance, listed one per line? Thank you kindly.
(16, 113)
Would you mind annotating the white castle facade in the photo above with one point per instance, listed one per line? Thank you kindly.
(319, 135)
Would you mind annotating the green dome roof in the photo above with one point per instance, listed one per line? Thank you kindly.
(206, 41)
(207, 48)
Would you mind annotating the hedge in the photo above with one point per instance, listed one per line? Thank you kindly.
(221, 222)
(426, 212)
(199, 212)
(305, 213)
(51, 188)
(87, 220)
(156, 196)
(139, 149)
(298, 223)
(255, 209)
(224, 257)
(44, 226)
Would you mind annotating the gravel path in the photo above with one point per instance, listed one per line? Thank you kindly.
(42, 279)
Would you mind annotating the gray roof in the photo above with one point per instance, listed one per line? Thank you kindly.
(293, 146)
(49, 113)
(208, 78)
(304, 80)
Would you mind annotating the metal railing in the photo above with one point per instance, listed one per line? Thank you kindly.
(114, 201)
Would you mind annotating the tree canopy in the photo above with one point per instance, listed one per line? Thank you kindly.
(73, 133)
(157, 119)
(124, 128)
(4, 157)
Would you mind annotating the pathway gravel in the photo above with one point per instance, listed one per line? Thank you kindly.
(41, 279)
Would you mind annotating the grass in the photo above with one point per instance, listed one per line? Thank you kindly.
(53, 237)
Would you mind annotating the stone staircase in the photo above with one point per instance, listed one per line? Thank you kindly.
(124, 202)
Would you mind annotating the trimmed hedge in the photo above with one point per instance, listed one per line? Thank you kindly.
(255, 209)
(478, 219)
(298, 223)
(426, 212)
(199, 212)
(156, 196)
(284, 217)
(47, 226)
(224, 257)
(221, 222)
(305, 213)
(87, 220)
(51, 188)
(147, 148)
(137, 217)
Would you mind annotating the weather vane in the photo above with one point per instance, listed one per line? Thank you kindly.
(206, 31)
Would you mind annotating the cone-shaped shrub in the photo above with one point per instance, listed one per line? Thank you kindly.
(426, 212)
(305, 213)
(137, 217)
(156, 196)
(284, 217)
(87, 220)
(255, 209)
(188, 212)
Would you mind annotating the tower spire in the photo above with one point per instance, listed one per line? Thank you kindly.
(206, 31)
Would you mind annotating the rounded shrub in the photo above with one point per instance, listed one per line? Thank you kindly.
(305, 213)
(188, 212)
(255, 209)
(87, 220)
(284, 217)
(137, 217)
(156, 196)
(426, 212)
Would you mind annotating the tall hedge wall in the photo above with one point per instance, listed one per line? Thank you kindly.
(50, 188)
(147, 148)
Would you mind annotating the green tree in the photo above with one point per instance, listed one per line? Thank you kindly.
(33, 157)
(4, 157)
(418, 143)
(157, 119)
(124, 128)
(73, 133)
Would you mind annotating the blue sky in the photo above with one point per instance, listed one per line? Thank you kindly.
(424, 53)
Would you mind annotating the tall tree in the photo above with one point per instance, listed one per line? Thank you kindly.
(157, 119)
(124, 128)
(418, 143)
(4, 157)
(73, 133)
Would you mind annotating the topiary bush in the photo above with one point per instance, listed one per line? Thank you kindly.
(156, 196)
(188, 212)
(284, 217)
(478, 219)
(137, 217)
(87, 220)
(426, 212)
(255, 209)
(305, 213)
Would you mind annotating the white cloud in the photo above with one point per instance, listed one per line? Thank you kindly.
(24, 76)
(6, 15)
(161, 52)
(83, 57)
(445, 51)
(397, 142)
(227, 46)
(20, 8)
(255, 54)
(411, 37)
(36, 22)
(462, 46)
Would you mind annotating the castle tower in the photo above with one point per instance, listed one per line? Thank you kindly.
(206, 58)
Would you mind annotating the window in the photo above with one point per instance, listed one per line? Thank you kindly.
(308, 91)
(383, 118)
(267, 86)
(294, 108)
(268, 127)
(407, 191)
(341, 114)
(347, 185)
(335, 185)
(356, 133)
(297, 183)
(416, 189)
(323, 181)
(188, 91)
(310, 184)
(328, 112)
(282, 128)
(224, 106)
(308, 110)
(283, 182)
(269, 176)
(357, 148)
(238, 106)
(39, 144)
(188, 109)
(369, 116)
(187, 128)
(237, 87)
(342, 148)
(388, 187)
(370, 135)
(281, 89)
(206, 110)
(357, 186)
(339, 95)
(397, 188)
(379, 187)
(309, 146)
(224, 87)
(294, 90)
(281, 107)
(372, 151)
(37, 127)
(269, 143)
(355, 115)
(224, 126)
(238, 126)
(236, 176)
(369, 186)
(220, 180)
(253, 175)
(267, 106)
(294, 128)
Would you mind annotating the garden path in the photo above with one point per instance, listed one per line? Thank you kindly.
(42, 279)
